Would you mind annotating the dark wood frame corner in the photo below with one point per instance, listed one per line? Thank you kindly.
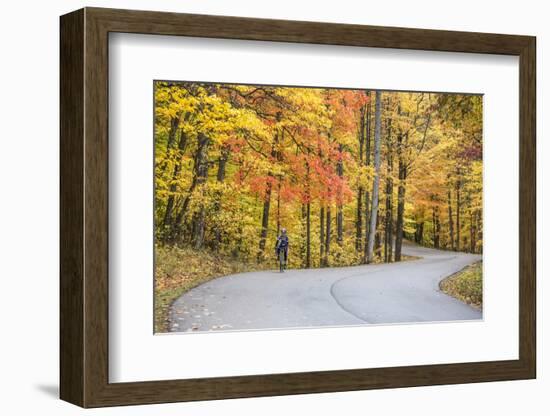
(84, 207)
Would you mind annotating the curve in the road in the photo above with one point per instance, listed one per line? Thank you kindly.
(370, 294)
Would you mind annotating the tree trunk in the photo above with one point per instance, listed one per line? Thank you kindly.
(339, 211)
(174, 124)
(220, 177)
(167, 219)
(202, 174)
(434, 231)
(265, 220)
(303, 247)
(458, 215)
(321, 235)
(308, 218)
(376, 182)
(378, 234)
(359, 213)
(436, 226)
(279, 180)
(388, 232)
(402, 176)
(328, 235)
(198, 167)
(479, 231)
(361, 135)
(359, 221)
(451, 226)
(388, 226)
(222, 163)
(308, 235)
(400, 213)
(472, 233)
(279, 206)
(368, 125)
(367, 225)
(419, 232)
(267, 203)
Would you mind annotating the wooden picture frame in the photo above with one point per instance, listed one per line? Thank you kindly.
(84, 207)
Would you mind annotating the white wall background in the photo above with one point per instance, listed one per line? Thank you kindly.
(29, 207)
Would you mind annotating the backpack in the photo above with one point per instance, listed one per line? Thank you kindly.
(282, 241)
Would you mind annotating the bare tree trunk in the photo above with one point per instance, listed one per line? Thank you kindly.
(279, 180)
(339, 211)
(479, 231)
(359, 213)
(419, 232)
(451, 226)
(321, 235)
(376, 182)
(368, 128)
(308, 235)
(434, 231)
(265, 220)
(328, 236)
(202, 174)
(388, 226)
(279, 206)
(388, 235)
(303, 248)
(400, 214)
(308, 219)
(367, 225)
(378, 234)
(436, 226)
(220, 177)
(472, 233)
(402, 175)
(359, 221)
(458, 202)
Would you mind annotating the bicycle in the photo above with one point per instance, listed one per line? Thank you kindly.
(282, 262)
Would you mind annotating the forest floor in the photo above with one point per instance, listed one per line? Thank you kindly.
(357, 295)
(466, 285)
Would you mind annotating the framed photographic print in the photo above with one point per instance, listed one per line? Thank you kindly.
(256, 207)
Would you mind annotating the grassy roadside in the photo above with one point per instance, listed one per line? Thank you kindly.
(181, 269)
(466, 285)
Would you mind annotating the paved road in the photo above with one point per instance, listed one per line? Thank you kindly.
(358, 295)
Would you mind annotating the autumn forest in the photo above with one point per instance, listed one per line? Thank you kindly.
(351, 174)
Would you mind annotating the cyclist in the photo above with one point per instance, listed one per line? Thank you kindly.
(282, 243)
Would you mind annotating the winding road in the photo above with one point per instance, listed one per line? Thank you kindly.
(358, 295)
